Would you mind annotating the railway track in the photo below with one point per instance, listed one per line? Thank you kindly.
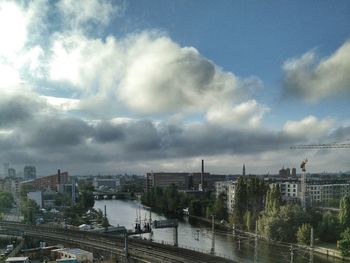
(140, 249)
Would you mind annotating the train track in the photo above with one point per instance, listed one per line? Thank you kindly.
(146, 251)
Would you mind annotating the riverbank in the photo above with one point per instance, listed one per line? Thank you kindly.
(329, 250)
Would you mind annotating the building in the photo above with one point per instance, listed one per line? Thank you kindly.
(11, 172)
(164, 180)
(323, 191)
(51, 182)
(290, 188)
(106, 183)
(29, 172)
(294, 172)
(6, 169)
(230, 200)
(82, 256)
(17, 260)
(37, 197)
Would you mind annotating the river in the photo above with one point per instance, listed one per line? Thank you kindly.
(198, 236)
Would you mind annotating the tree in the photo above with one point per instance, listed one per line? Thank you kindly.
(195, 207)
(344, 213)
(303, 234)
(6, 201)
(273, 200)
(239, 205)
(344, 243)
(328, 228)
(219, 207)
(29, 209)
(282, 226)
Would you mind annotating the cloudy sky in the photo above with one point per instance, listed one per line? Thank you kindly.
(102, 86)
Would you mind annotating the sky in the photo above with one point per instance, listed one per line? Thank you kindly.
(134, 86)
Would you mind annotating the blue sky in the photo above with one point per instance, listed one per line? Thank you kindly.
(133, 86)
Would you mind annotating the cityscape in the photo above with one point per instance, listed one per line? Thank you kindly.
(156, 131)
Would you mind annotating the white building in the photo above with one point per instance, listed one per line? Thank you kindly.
(227, 187)
(17, 260)
(106, 182)
(82, 256)
(37, 197)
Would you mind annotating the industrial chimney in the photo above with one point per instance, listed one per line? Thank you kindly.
(202, 176)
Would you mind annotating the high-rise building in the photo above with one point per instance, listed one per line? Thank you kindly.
(11, 172)
(294, 172)
(243, 170)
(6, 169)
(29, 172)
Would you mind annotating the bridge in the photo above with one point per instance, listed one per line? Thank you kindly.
(99, 195)
(138, 250)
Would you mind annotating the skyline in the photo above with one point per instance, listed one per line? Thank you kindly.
(134, 86)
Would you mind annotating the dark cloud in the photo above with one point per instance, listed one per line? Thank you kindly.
(18, 108)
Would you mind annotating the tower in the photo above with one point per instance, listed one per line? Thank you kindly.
(243, 170)
(202, 177)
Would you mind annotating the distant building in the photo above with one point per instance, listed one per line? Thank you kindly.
(29, 172)
(80, 255)
(106, 182)
(11, 172)
(164, 180)
(230, 197)
(37, 197)
(243, 173)
(51, 182)
(6, 169)
(17, 260)
(289, 188)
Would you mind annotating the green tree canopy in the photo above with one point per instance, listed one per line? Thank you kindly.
(304, 234)
(6, 201)
(344, 243)
(344, 213)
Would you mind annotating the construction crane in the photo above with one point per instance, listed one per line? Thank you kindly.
(321, 146)
(304, 189)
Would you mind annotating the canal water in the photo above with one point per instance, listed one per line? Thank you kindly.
(198, 236)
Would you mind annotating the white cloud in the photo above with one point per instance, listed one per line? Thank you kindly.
(310, 127)
(63, 104)
(246, 114)
(147, 72)
(315, 79)
(78, 13)
(13, 29)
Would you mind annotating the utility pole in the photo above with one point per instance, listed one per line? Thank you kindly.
(126, 246)
(256, 243)
(212, 250)
(176, 242)
(291, 254)
(150, 224)
(312, 245)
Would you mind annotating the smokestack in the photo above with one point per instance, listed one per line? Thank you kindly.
(59, 176)
(202, 175)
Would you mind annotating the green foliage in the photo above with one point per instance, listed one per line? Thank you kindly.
(105, 222)
(344, 243)
(219, 207)
(62, 199)
(304, 234)
(170, 201)
(282, 226)
(29, 209)
(344, 213)
(249, 196)
(328, 228)
(273, 200)
(6, 201)
(195, 207)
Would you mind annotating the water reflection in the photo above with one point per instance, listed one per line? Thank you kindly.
(195, 234)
